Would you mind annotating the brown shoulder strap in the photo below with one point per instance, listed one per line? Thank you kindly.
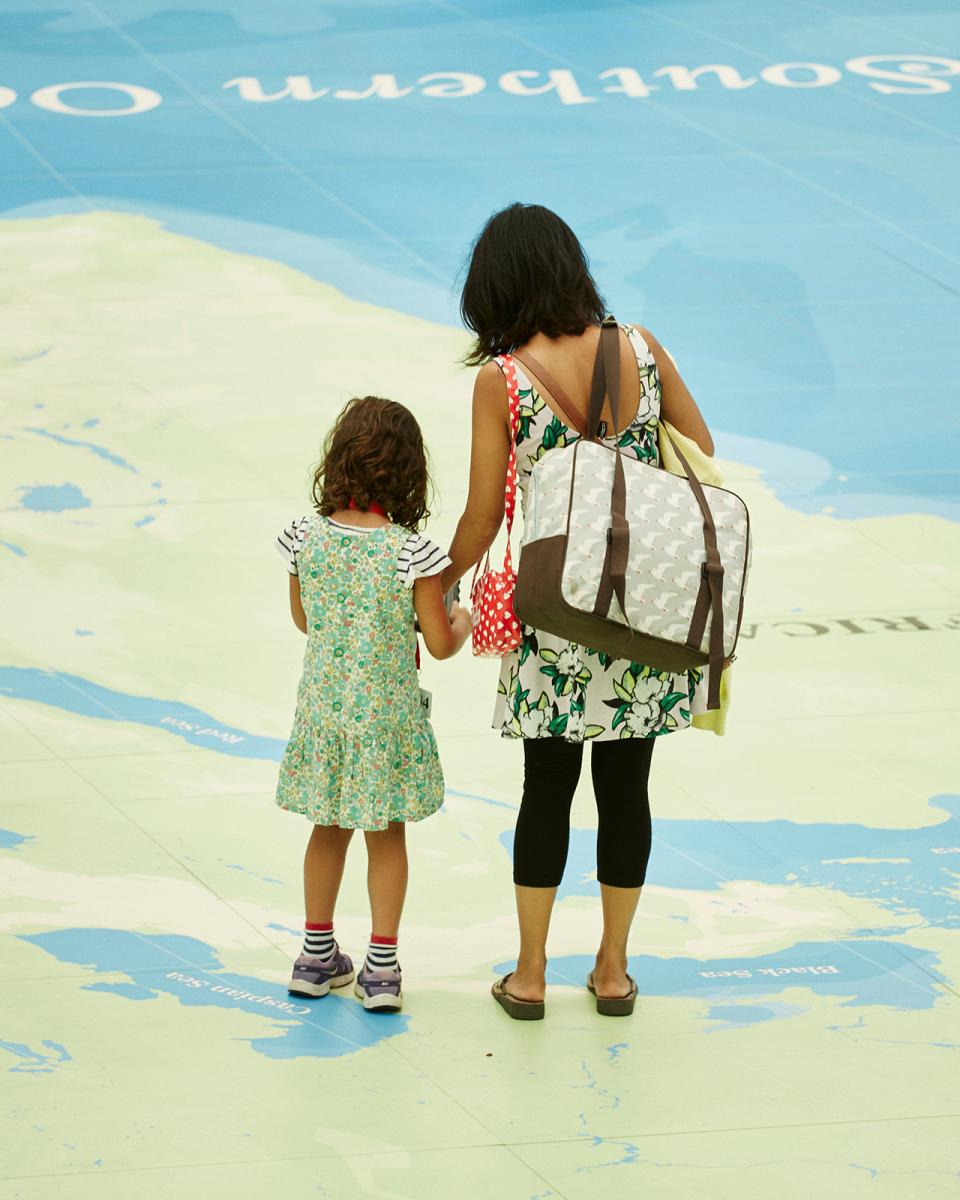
(564, 403)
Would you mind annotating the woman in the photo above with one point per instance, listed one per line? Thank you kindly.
(529, 292)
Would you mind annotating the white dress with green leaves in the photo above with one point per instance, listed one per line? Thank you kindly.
(552, 688)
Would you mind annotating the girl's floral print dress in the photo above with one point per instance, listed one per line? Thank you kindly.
(552, 688)
(361, 753)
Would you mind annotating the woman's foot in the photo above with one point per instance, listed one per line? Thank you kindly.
(519, 1010)
(528, 983)
(609, 979)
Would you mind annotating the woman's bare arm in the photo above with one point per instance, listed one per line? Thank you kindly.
(489, 452)
(677, 405)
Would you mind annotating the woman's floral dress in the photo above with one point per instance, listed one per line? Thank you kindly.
(361, 752)
(552, 688)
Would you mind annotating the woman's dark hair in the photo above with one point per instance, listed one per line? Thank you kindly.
(374, 454)
(527, 274)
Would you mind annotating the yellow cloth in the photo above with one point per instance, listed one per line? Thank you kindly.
(705, 469)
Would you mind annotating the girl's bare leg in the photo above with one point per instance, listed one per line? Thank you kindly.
(323, 870)
(387, 877)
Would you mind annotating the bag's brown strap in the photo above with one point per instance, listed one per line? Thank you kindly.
(710, 597)
(606, 382)
(564, 403)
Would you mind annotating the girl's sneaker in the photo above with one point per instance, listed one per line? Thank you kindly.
(316, 976)
(379, 990)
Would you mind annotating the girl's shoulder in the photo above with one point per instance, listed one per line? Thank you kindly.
(289, 541)
(419, 558)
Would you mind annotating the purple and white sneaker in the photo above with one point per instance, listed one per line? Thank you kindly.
(316, 976)
(379, 990)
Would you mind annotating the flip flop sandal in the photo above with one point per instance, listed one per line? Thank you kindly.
(520, 1010)
(614, 1006)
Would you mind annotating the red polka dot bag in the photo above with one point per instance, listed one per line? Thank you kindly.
(496, 630)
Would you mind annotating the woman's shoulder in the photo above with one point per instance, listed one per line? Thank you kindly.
(490, 390)
(644, 343)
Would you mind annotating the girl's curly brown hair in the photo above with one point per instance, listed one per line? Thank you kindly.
(374, 454)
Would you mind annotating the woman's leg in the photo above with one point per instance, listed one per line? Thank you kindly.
(387, 877)
(551, 769)
(620, 773)
(323, 871)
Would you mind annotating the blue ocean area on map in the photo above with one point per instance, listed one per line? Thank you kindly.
(72, 694)
(381, 198)
(912, 872)
(909, 871)
(859, 971)
(190, 971)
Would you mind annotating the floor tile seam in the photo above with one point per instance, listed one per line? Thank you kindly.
(397, 1050)
(758, 56)
(174, 752)
(269, 1159)
(171, 856)
(204, 435)
(204, 884)
(858, 19)
(267, 796)
(552, 1189)
(876, 541)
(288, 233)
(254, 139)
(873, 715)
(213, 973)
(93, 975)
(677, 118)
(864, 611)
(55, 756)
(421, 162)
(694, 306)
(67, 759)
(51, 171)
(174, 503)
(734, 1129)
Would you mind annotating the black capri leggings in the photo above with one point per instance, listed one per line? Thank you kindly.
(551, 770)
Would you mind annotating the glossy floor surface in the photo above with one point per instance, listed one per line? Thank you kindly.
(190, 290)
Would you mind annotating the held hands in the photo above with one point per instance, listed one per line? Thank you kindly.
(461, 623)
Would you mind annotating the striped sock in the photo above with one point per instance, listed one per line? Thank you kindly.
(318, 940)
(382, 954)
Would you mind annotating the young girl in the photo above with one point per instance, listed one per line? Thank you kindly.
(362, 754)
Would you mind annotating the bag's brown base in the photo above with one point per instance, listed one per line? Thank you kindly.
(538, 602)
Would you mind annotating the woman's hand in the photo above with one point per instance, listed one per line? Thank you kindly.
(489, 452)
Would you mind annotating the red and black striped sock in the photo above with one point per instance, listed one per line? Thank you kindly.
(318, 939)
(382, 953)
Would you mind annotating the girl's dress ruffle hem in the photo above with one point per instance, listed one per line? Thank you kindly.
(361, 781)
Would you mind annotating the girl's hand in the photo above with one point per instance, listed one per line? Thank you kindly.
(442, 635)
(461, 620)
